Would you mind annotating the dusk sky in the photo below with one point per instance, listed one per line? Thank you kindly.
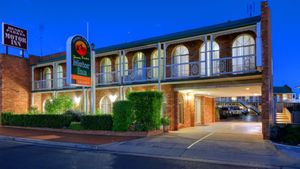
(50, 23)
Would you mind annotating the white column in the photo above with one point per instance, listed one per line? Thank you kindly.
(159, 68)
(123, 60)
(93, 88)
(120, 74)
(211, 54)
(165, 60)
(54, 65)
(258, 45)
(32, 77)
(206, 58)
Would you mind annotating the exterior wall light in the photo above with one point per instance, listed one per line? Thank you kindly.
(77, 100)
(113, 98)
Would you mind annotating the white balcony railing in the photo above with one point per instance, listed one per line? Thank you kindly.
(197, 69)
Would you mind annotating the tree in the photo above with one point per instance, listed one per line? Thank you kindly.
(59, 104)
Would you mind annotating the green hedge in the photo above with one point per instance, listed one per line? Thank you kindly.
(41, 120)
(123, 116)
(147, 107)
(99, 122)
(286, 134)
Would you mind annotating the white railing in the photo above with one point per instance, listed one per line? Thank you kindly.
(43, 84)
(197, 69)
(141, 74)
(107, 78)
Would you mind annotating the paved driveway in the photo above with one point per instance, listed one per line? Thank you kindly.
(237, 142)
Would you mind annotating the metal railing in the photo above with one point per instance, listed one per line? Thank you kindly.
(43, 84)
(196, 69)
(107, 78)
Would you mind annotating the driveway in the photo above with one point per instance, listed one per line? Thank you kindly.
(236, 142)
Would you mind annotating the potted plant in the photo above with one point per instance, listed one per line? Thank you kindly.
(165, 121)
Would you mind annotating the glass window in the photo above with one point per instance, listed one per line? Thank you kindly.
(180, 61)
(106, 105)
(117, 67)
(47, 78)
(154, 63)
(139, 65)
(215, 55)
(60, 76)
(243, 53)
(105, 70)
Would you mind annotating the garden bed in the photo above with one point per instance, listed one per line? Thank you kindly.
(95, 132)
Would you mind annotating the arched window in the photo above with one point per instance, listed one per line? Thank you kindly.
(44, 104)
(215, 55)
(154, 64)
(243, 53)
(139, 65)
(181, 110)
(105, 70)
(60, 76)
(180, 61)
(106, 105)
(117, 67)
(47, 78)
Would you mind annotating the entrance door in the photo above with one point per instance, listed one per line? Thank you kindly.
(197, 111)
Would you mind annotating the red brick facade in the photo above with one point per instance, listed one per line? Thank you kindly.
(15, 93)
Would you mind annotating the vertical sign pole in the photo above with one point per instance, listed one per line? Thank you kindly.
(83, 100)
(93, 89)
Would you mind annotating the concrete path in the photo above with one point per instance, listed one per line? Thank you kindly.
(229, 142)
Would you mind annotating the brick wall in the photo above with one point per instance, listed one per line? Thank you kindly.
(267, 84)
(15, 93)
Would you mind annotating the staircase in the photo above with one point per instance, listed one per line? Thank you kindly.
(249, 106)
(282, 118)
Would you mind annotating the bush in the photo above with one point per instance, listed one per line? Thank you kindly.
(75, 115)
(165, 121)
(123, 116)
(92, 122)
(33, 110)
(146, 107)
(76, 126)
(59, 104)
(286, 134)
(41, 120)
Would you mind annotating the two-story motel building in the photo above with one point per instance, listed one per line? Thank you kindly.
(192, 68)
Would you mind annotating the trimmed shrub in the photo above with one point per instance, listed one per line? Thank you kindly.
(92, 122)
(76, 126)
(286, 134)
(123, 116)
(59, 104)
(146, 107)
(75, 115)
(41, 120)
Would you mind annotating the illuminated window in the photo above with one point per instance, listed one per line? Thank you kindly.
(243, 53)
(106, 105)
(60, 76)
(154, 63)
(215, 55)
(139, 65)
(105, 70)
(47, 78)
(117, 67)
(180, 61)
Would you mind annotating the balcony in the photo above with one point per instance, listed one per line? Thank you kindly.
(180, 71)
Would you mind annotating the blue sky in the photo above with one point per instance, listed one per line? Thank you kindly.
(50, 23)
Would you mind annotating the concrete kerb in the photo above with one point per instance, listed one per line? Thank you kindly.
(101, 148)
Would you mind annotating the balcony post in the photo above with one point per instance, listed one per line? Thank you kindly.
(32, 77)
(211, 54)
(165, 60)
(120, 74)
(54, 83)
(206, 59)
(123, 73)
(258, 57)
(159, 68)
